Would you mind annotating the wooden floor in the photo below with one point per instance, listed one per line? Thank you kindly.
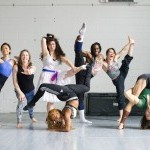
(101, 135)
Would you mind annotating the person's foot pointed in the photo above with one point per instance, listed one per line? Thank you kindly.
(121, 126)
(34, 120)
(83, 29)
(19, 125)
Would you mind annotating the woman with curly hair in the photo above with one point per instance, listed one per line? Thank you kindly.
(55, 120)
(95, 55)
(67, 93)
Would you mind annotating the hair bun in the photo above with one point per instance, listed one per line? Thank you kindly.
(50, 35)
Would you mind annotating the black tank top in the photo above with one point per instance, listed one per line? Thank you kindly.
(25, 82)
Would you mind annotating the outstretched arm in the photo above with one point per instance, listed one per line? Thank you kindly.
(68, 62)
(127, 48)
(71, 72)
(87, 55)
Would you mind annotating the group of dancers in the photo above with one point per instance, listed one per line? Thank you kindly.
(54, 84)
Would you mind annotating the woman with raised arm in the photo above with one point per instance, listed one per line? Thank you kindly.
(67, 93)
(52, 56)
(118, 75)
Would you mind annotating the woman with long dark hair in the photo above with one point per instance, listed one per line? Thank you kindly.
(52, 56)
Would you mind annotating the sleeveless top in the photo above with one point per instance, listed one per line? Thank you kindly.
(25, 82)
(6, 68)
(113, 70)
(49, 63)
(143, 101)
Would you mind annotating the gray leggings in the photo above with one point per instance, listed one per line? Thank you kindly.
(20, 106)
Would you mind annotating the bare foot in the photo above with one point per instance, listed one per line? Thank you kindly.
(119, 120)
(34, 120)
(121, 126)
(19, 125)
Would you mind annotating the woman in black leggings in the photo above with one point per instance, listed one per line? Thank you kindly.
(67, 93)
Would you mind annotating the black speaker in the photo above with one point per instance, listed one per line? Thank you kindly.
(105, 104)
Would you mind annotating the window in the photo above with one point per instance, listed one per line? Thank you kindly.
(120, 0)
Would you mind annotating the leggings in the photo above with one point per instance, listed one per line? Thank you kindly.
(66, 92)
(119, 81)
(79, 60)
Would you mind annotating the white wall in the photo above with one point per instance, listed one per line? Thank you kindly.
(23, 23)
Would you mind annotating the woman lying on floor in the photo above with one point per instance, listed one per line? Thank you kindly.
(67, 93)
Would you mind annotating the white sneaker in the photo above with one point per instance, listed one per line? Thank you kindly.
(83, 29)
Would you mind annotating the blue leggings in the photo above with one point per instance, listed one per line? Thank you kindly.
(79, 60)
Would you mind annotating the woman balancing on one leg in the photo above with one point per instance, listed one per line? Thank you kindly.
(118, 75)
(94, 55)
(139, 95)
(67, 93)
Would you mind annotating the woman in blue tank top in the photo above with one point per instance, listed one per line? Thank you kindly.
(23, 75)
(6, 64)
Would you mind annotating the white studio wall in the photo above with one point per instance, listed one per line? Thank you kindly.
(24, 23)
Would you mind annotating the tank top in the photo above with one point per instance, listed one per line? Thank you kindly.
(6, 68)
(113, 70)
(143, 101)
(49, 63)
(25, 82)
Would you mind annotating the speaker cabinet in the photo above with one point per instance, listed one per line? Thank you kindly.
(105, 104)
